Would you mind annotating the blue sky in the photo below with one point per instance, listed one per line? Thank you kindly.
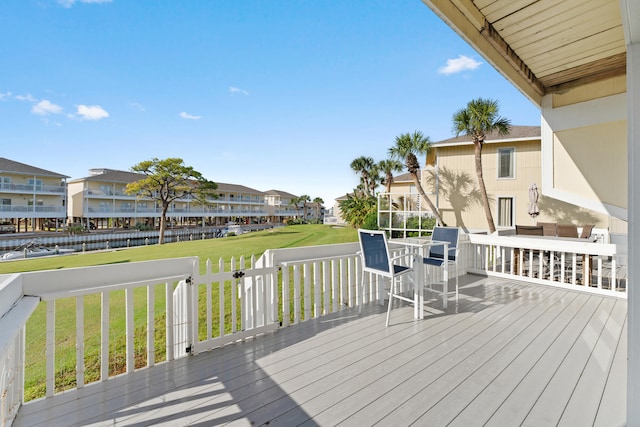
(270, 94)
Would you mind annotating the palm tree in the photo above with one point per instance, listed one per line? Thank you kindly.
(318, 205)
(477, 120)
(303, 200)
(296, 202)
(406, 148)
(388, 167)
(357, 208)
(365, 167)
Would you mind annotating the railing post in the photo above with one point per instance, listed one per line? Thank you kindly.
(50, 351)
(104, 339)
(80, 341)
(286, 300)
(130, 327)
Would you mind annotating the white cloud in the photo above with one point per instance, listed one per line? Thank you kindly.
(187, 116)
(4, 96)
(69, 3)
(90, 112)
(46, 107)
(459, 64)
(27, 97)
(233, 89)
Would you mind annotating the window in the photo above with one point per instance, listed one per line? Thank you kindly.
(505, 211)
(36, 182)
(506, 163)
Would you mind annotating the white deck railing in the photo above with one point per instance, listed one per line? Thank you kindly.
(584, 265)
(144, 313)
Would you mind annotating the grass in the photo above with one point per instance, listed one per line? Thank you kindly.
(254, 243)
(246, 245)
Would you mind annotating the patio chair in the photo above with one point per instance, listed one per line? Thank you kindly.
(567, 230)
(586, 231)
(529, 230)
(436, 258)
(549, 228)
(374, 251)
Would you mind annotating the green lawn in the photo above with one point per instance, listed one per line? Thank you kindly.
(254, 243)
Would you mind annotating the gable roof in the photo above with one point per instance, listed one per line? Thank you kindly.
(7, 165)
(517, 133)
(280, 193)
(111, 175)
(405, 177)
(236, 188)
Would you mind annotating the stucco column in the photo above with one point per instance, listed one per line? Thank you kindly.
(633, 321)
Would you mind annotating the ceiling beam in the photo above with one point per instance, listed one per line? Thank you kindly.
(498, 43)
(603, 69)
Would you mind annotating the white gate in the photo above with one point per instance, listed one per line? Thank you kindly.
(229, 306)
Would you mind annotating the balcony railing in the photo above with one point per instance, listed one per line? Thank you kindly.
(109, 194)
(38, 189)
(202, 308)
(195, 210)
(32, 208)
(595, 267)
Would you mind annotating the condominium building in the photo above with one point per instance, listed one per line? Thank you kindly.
(280, 206)
(38, 199)
(31, 197)
(101, 199)
(511, 163)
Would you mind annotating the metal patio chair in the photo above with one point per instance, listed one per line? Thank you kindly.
(436, 258)
(376, 259)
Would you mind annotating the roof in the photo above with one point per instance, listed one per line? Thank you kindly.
(111, 175)
(517, 133)
(543, 46)
(125, 177)
(11, 166)
(404, 177)
(235, 188)
(280, 193)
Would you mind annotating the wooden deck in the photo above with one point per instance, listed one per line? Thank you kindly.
(509, 353)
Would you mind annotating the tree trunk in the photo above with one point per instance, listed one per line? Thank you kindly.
(427, 199)
(483, 190)
(163, 223)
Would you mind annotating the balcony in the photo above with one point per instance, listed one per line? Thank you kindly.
(295, 350)
(194, 210)
(32, 211)
(33, 189)
(117, 194)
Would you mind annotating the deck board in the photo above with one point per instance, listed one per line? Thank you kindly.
(507, 353)
(512, 393)
(550, 406)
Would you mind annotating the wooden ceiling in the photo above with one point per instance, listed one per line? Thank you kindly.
(553, 45)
